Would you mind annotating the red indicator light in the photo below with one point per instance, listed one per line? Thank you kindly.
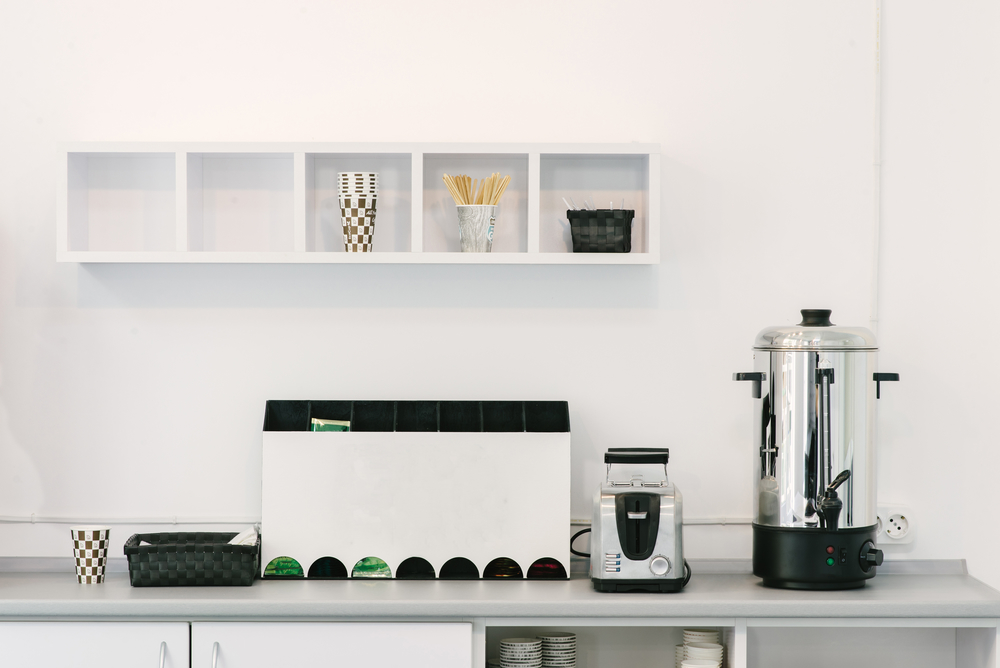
(829, 549)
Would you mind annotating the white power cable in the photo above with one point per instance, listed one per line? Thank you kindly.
(38, 519)
(694, 521)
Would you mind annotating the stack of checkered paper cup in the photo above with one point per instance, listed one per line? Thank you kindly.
(558, 650)
(90, 547)
(358, 192)
(521, 653)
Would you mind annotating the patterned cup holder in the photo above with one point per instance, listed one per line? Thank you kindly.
(459, 568)
(546, 568)
(503, 568)
(327, 568)
(284, 567)
(415, 568)
(371, 567)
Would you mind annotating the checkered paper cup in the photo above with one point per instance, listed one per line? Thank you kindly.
(354, 184)
(358, 216)
(90, 547)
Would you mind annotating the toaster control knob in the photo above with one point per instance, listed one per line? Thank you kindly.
(659, 565)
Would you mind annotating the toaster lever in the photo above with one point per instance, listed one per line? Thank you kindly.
(638, 516)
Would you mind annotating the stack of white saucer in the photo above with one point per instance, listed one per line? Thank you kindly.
(521, 653)
(558, 650)
(701, 649)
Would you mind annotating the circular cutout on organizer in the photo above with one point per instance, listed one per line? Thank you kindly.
(503, 568)
(459, 568)
(327, 568)
(415, 568)
(371, 567)
(283, 567)
(546, 568)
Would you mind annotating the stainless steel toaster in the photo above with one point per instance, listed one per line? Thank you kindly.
(637, 541)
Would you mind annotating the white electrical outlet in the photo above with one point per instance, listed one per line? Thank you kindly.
(895, 525)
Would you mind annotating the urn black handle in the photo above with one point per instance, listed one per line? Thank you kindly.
(756, 377)
(880, 378)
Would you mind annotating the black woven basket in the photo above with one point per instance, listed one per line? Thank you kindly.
(601, 231)
(191, 559)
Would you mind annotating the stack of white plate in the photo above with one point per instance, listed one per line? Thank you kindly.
(700, 663)
(706, 651)
(701, 649)
(558, 650)
(521, 653)
(700, 635)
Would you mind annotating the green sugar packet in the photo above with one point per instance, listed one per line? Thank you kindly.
(330, 425)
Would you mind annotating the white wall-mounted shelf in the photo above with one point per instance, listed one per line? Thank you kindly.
(277, 202)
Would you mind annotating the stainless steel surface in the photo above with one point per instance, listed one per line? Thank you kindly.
(805, 434)
(608, 559)
(632, 475)
(659, 565)
(797, 337)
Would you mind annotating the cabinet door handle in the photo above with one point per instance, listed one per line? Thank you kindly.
(215, 655)
(163, 652)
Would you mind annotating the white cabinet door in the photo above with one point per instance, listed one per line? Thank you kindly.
(94, 644)
(330, 645)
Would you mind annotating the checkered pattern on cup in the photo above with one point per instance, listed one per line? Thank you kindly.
(358, 216)
(90, 547)
(356, 184)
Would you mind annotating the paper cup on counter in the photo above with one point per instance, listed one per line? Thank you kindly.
(357, 214)
(90, 547)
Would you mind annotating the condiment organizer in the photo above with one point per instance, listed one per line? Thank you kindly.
(446, 489)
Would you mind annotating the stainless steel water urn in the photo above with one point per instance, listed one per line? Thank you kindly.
(815, 387)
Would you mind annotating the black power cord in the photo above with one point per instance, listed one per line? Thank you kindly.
(573, 539)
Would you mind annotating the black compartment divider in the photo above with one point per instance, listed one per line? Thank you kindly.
(373, 416)
(461, 416)
(546, 416)
(503, 415)
(406, 416)
(286, 416)
(417, 416)
(329, 410)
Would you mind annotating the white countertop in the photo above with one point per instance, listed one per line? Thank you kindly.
(922, 592)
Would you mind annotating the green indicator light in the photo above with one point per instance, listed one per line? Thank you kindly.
(829, 561)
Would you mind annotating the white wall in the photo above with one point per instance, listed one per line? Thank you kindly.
(939, 274)
(138, 390)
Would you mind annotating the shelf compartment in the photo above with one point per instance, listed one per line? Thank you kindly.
(240, 202)
(393, 218)
(605, 179)
(918, 646)
(440, 217)
(121, 202)
(612, 645)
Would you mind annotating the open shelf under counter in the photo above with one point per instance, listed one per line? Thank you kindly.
(251, 202)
